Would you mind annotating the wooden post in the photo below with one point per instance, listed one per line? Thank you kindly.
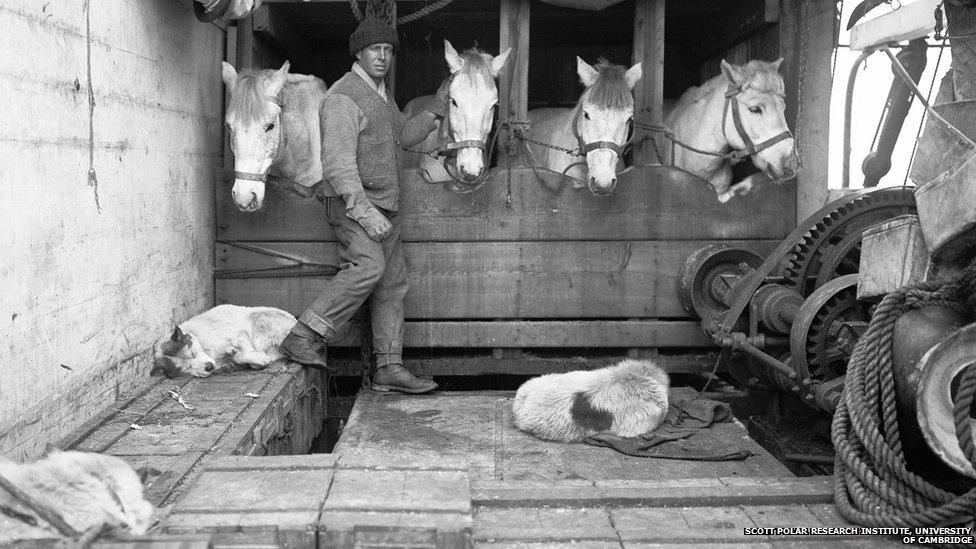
(814, 43)
(245, 43)
(513, 89)
(391, 76)
(649, 92)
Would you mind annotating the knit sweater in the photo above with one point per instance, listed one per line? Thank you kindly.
(361, 138)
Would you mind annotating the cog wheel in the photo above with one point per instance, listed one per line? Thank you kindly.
(826, 329)
(831, 247)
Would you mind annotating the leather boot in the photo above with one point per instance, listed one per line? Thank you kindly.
(394, 377)
(304, 346)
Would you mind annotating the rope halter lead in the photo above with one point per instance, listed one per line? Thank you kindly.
(263, 177)
(732, 104)
(451, 147)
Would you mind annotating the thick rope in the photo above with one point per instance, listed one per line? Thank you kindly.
(872, 483)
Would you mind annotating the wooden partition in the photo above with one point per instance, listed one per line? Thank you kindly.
(516, 264)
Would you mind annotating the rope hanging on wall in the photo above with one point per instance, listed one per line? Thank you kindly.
(92, 177)
(383, 9)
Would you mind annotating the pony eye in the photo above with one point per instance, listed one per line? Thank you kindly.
(269, 127)
(756, 110)
(586, 115)
(453, 103)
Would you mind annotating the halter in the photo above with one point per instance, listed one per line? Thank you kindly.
(585, 147)
(451, 146)
(732, 104)
(263, 177)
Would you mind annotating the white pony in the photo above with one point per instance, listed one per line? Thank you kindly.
(473, 96)
(742, 110)
(273, 121)
(86, 490)
(596, 127)
(626, 399)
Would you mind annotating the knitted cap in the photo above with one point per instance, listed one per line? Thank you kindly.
(372, 31)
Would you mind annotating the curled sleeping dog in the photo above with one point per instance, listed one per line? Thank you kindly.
(627, 399)
(218, 339)
(86, 490)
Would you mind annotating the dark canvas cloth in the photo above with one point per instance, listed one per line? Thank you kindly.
(684, 434)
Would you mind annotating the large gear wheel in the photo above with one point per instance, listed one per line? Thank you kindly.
(825, 330)
(830, 248)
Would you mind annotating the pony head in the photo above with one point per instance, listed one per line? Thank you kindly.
(473, 96)
(253, 120)
(605, 111)
(761, 104)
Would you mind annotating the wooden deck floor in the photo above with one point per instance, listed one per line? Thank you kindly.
(478, 426)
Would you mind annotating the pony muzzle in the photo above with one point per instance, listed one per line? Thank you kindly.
(248, 194)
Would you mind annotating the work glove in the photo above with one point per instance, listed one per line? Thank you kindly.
(439, 108)
(376, 225)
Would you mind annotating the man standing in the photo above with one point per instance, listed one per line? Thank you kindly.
(362, 132)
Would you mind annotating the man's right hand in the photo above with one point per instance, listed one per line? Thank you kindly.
(376, 225)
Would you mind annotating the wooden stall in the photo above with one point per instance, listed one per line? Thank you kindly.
(516, 264)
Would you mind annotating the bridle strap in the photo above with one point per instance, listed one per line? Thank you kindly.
(732, 104)
(447, 133)
(248, 176)
(262, 177)
(585, 148)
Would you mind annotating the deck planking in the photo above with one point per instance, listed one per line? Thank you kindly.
(478, 426)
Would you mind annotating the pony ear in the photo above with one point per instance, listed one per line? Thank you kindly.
(177, 334)
(586, 72)
(732, 72)
(51, 449)
(229, 74)
(279, 79)
(775, 64)
(633, 75)
(499, 61)
(454, 61)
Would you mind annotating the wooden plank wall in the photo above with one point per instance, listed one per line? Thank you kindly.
(549, 255)
(90, 276)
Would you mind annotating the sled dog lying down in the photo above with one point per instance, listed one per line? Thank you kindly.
(86, 490)
(224, 336)
(627, 399)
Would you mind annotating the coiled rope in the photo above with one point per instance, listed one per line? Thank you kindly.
(872, 483)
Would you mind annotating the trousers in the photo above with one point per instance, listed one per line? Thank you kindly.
(370, 272)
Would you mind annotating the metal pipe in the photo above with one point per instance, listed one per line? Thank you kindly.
(767, 359)
(900, 70)
(848, 109)
(878, 162)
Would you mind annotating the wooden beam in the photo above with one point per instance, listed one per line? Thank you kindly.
(464, 364)
(543, 334)
(245, 43)
(485, 280)
(513, 83)
(649, 203)
(278, 34)
(649, 92)
(911, 21)
(746, 19)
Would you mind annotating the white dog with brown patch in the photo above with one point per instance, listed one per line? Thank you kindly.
(627, 399)
(218, 339)
(87, 491)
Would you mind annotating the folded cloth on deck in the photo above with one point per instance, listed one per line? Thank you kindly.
(682, 435)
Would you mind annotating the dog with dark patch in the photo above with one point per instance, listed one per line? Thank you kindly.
(627, 399)
(88, 492)
(222, 338)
